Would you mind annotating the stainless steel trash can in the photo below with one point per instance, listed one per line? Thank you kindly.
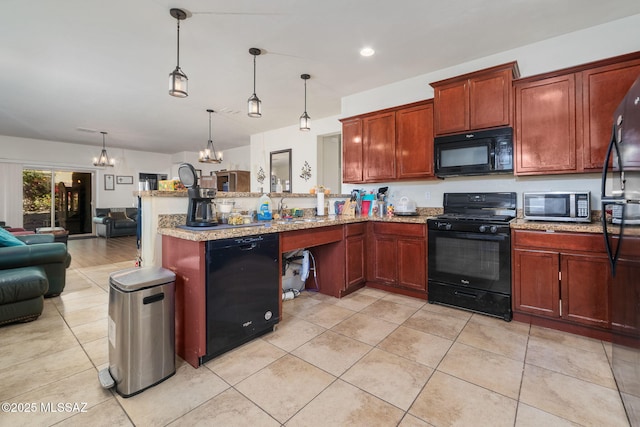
(141, 328)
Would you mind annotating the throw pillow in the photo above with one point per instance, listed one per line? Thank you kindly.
(117, 215)
(8, 239)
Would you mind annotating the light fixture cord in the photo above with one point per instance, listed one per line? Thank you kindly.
(305, 95)
(209, 126)
(254, 74)
(103, 147)
(178, 43)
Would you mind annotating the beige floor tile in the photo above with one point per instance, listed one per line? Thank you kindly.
(91, 331)
(87, 315)
(585, 365)
(447, 400)
(389, 311)
(494, 339)
(43, 327)
(392, 378)
(411, 421)
(174, 397)
(238, 364)
(345, 405)
(528, 416)
(332, 352)
(325, 315)
(37, 372)
(483, 368)
(98, 351)
(567, 339)
(298, 305)
(82, 391)
(89, 289)
(285, 386)
(355, 301)
(435, 323)
(449, 311)
(366, 329)
(570, 398)
(66, 306)
(513, 326)
(417, 346)
(75, 281)
(228, 409)
(105, 414)
(38, 346)
(292, 332)
(405, 300)
(372, 292)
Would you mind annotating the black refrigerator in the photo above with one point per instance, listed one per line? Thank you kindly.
(621, 200)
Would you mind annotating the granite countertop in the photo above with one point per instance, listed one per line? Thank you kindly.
(595, 226)
(277, 226)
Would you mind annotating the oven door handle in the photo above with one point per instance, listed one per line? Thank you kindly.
(470, 236)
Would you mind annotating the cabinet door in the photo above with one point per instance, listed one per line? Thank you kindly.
(354, 248)
(585, 289)
(412, 261)
(602, 90)
(379, 147)
(384, 260)
(489, 100)
(536, 288)
(352, 150)
(451, 107)
(414, 142)
(545, 131)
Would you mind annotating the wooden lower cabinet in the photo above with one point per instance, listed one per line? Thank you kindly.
(562, 276)
(355, 255)
(398, 258)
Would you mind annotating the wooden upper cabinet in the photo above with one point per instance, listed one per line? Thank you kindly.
(352, 160)
(545, 133)
(388, 145)
(414, 142)
(602, 90)
(379, 146)
(474, 101)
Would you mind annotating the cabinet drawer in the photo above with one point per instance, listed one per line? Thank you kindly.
(411, 230)
(559, 241)
(299, 239)
(355, 229)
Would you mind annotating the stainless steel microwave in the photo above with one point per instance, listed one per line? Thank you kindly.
(474, 153)
(570, 206)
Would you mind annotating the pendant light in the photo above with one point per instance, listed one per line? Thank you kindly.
(209, 155)
(177, 79)
(254, 105)
(103, 160)
(305, 120)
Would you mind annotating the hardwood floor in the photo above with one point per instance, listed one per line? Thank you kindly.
(100, 251)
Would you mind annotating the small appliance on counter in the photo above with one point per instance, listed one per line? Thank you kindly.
(201, 211)
(405, 207)
(568, 206)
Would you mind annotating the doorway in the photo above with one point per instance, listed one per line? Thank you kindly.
(57, 198)
(330, 162)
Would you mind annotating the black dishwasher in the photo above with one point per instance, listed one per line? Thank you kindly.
(242, 291)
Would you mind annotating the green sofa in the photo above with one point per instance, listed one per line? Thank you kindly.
(28, 273)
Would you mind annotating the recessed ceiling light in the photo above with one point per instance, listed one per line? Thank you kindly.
(367, 51)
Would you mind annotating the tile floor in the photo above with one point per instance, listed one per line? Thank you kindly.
(370, 359)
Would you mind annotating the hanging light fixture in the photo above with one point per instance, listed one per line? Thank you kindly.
(254, 105)
(305, 120)
(209, 155)
(103, 160)
(177, 79)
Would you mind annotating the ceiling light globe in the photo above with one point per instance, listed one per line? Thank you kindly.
(367, 51)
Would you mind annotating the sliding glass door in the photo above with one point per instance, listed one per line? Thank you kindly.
(57, 198)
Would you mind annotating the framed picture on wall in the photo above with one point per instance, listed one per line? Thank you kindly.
(109, 182)
(124, 179)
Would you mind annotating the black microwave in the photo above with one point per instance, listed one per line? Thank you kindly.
(474, 153)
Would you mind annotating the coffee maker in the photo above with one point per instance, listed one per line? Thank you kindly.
(201, 211)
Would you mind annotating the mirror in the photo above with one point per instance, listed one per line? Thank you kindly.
(281, 170)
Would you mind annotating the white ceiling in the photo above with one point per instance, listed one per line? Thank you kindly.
(69, 66)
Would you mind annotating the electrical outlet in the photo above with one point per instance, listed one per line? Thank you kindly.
(427, 195)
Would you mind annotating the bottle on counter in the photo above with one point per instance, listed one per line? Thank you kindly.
(279, 186)
(264, 208)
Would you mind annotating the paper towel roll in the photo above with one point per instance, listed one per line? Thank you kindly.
(320, 207)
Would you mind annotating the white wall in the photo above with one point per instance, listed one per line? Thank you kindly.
(18, 153)
(603, 41)
(303, 148)
(232, 159)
